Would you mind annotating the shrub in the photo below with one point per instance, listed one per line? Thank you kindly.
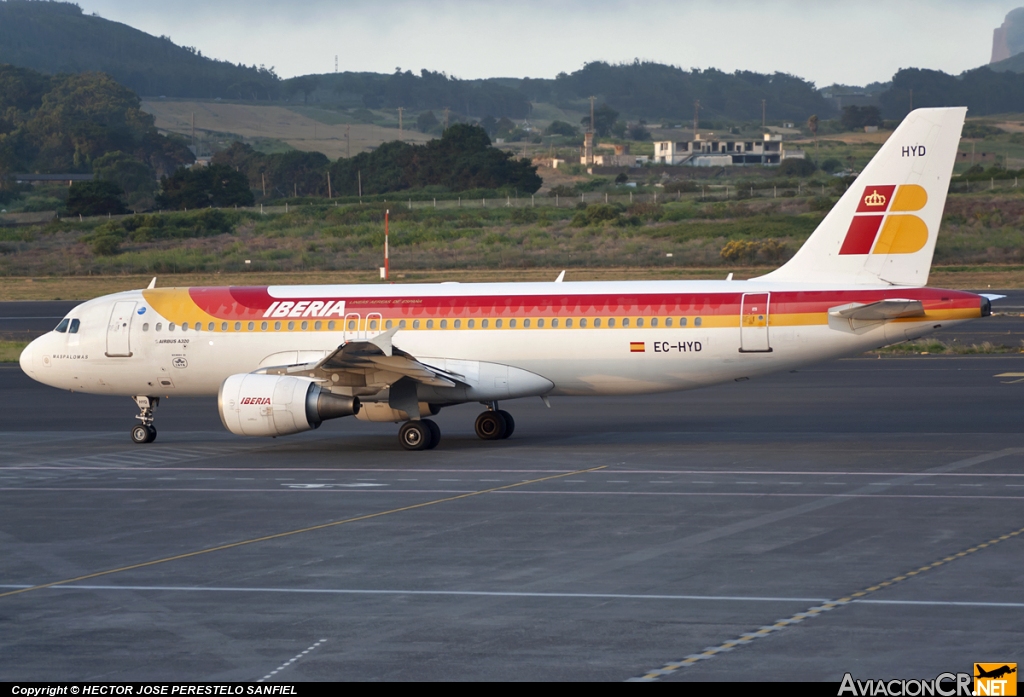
(796, 167)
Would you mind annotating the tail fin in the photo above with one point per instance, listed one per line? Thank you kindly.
(883, 229)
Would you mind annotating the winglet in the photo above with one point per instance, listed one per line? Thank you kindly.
(561, 277)
(152, 284)
(383, 340)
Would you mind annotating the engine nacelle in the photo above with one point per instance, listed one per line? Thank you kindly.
(278, 405)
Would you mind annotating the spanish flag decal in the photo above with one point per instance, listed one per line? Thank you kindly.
(636, 347)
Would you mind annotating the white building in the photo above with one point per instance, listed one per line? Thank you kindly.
(715, 152)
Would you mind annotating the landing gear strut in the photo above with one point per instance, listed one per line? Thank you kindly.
(419, 435)
(495, 424)
(145, 432)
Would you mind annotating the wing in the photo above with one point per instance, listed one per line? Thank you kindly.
(368, 366)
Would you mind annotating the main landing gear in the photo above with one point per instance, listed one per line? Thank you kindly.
(145, 432)
(419, 435)
(495, 424)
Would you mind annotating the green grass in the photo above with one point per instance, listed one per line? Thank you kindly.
(10, 351)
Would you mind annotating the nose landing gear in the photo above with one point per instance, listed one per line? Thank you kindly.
(494, 424)
(145, 432)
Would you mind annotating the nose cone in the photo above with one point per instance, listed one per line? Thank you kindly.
(28, 359)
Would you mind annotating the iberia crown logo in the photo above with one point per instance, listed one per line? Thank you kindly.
(882, 224)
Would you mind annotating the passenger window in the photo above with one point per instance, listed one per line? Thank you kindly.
(211, 327)
(526, 324)
(554, 323)
(63, 326)
(682, 321)
(597, 323)
(330, 325)
(444, 324)
(373, 324)
(415, 324)
(351, 325)
(223, 326)
(73, 329)
(654, 321)
(471, 323)
(497, 324)
(458, 324)
(625, 322)
(145, 327)
(540, 324)
(511, 324)
(639, 321)
(291, 326)
(170, 327)
(304, 326)
(388, 324)
(184, 326)
(238, 326)
(430, 324)
(697, 322)
(317, 326)
(401, 324)
(583, 323)
(611, 322)
(668, 321)
(263, 326)
(251, 326)
(568, 323)
(159, 326)
(277, 326)
(484, 323)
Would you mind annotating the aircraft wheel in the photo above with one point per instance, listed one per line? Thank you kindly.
(152, 433)
(435, 433)
(490, 426)
(415, 435)
(510, 423)
(140, 434)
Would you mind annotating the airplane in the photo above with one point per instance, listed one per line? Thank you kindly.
(283, 359)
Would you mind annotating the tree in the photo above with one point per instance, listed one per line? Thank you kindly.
(561, 128)
(202, 187)
(604, 119)
(426, 122)
(618, 129)
(639, 132)
(489, 124)
(95, 198)
(796, 167)
(812, 125)
(855, 118)
(134, 177)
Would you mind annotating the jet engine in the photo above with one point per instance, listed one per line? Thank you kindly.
(278, 405)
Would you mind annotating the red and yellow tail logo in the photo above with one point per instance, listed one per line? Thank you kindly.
(886, 208)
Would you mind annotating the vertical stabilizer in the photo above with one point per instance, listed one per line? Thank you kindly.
(883, 229)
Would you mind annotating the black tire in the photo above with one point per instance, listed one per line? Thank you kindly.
(435, 433)
(490, 426)
(152, 433)
(510, 423)
(140, 434)
(414, 435)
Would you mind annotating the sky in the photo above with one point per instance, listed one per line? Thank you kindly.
(825, 41)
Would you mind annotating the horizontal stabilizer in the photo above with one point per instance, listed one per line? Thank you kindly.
(880, 311)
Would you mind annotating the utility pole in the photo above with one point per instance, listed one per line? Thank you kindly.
(446, 118)
(588, 138)
(400, 123)
(193, 132)
(329, 194)
(387, 261)
(348, 142)
(764, 113)
(696, 117)
(911, 98)
(263, 178)
(335, 62)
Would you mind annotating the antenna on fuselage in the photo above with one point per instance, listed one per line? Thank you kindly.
(152, 284)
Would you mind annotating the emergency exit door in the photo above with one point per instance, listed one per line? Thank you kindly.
(754, 323)
(119, 329)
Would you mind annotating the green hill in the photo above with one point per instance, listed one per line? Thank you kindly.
(57, 37)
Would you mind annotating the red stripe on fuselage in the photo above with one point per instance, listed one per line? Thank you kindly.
(252, 303)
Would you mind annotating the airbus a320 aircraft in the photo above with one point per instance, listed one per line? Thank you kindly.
(283, 359)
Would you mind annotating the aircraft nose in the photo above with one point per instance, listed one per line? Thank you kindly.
(28, 359)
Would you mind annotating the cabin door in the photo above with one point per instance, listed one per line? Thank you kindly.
(754, 323)
(119, 329)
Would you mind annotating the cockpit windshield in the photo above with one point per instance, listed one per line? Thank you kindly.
(63, 326)
(73, 329)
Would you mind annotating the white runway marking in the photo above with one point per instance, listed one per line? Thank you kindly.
(289, 662)
(524, 594)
